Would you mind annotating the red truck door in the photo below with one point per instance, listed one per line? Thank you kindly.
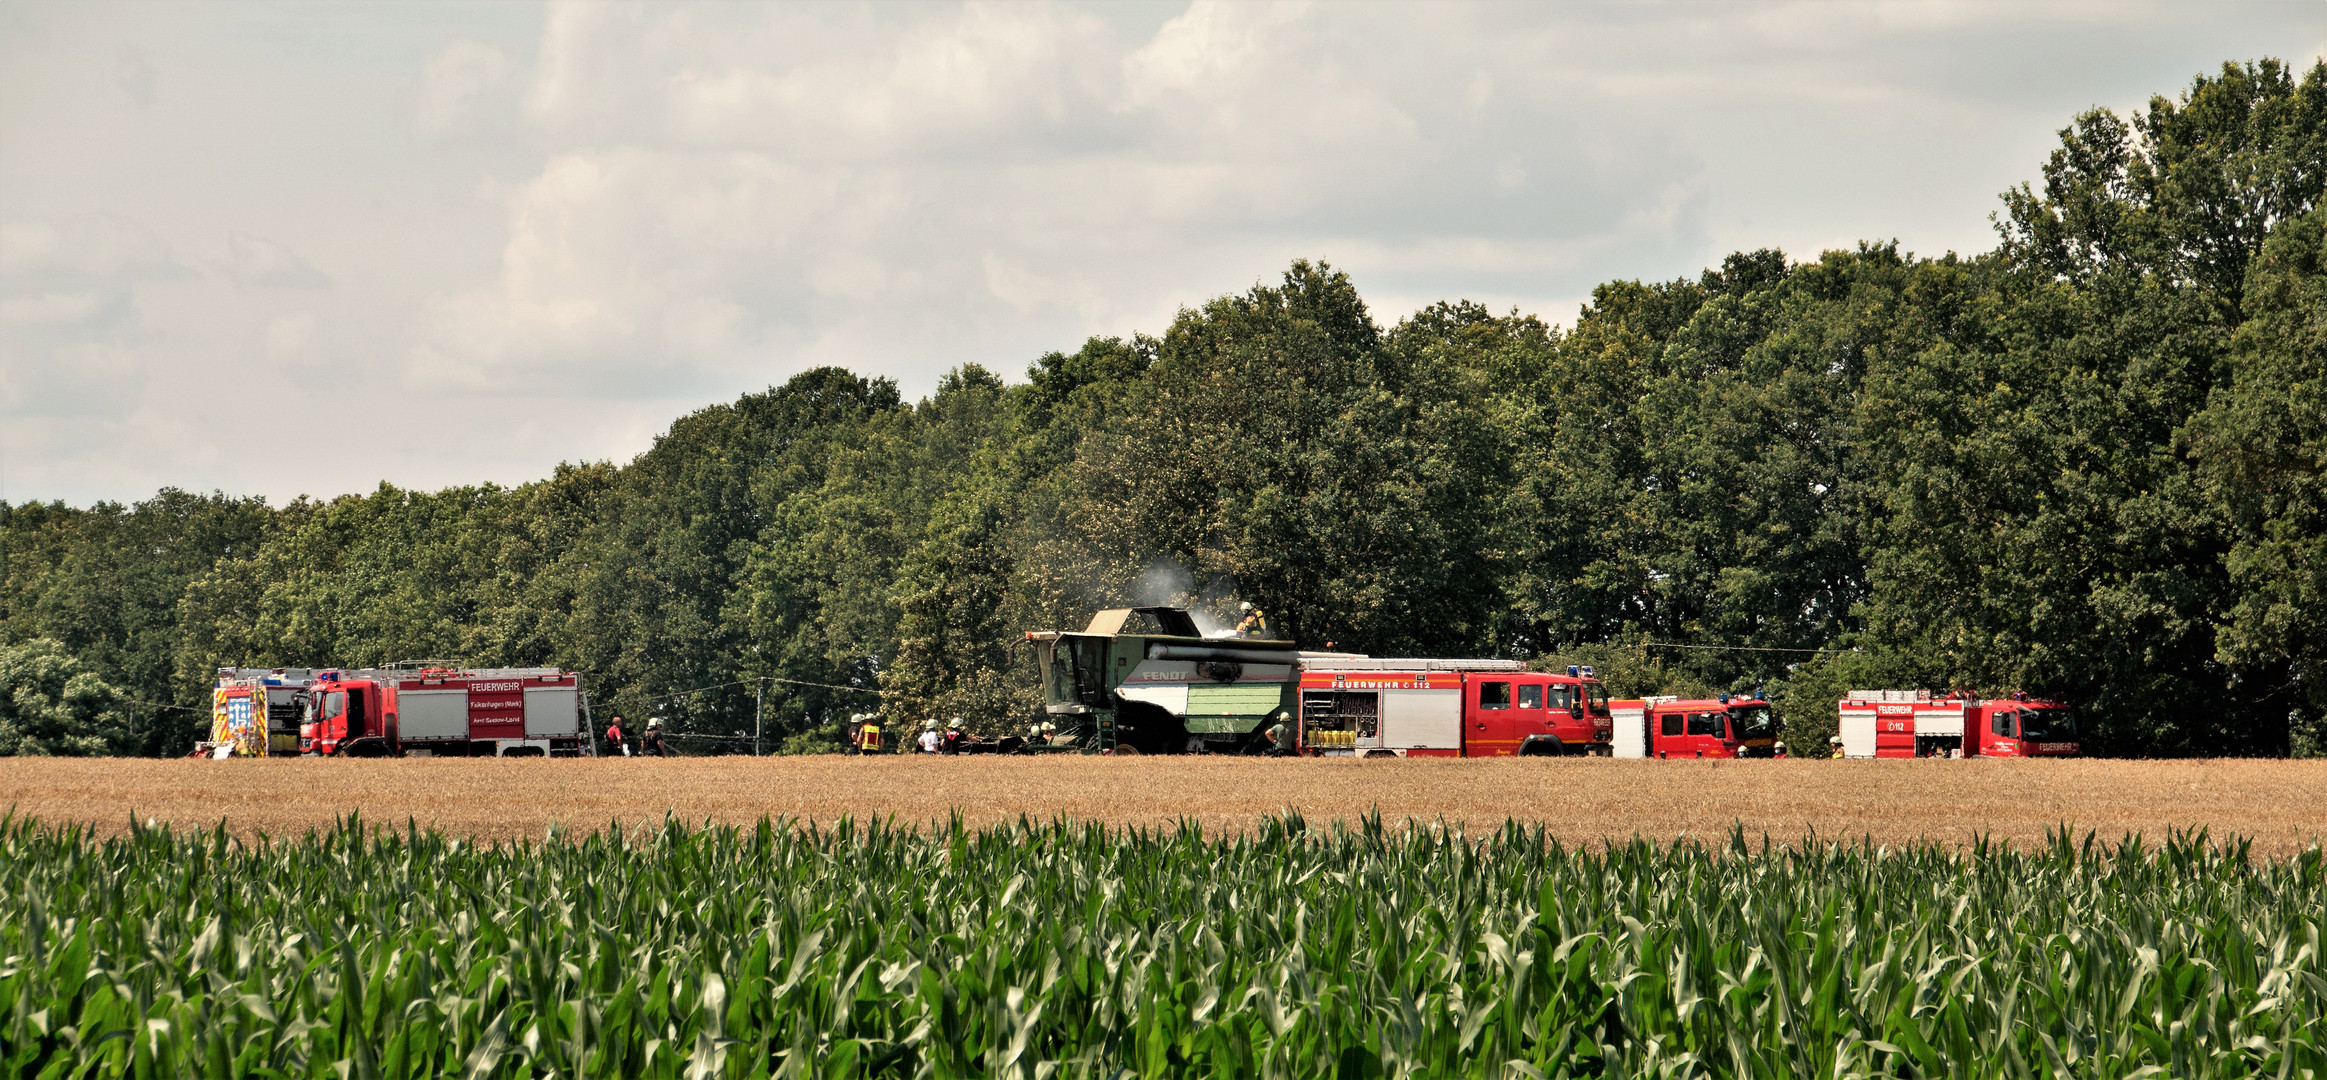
(1492, 723)
(335, 721)
(1691, 729)
(1999, 736)
(1708, 731)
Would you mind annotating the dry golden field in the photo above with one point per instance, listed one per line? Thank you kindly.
(2280, 805)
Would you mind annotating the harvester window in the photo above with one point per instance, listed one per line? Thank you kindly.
(1495, 695)
(1531, 696)
(1671, 722)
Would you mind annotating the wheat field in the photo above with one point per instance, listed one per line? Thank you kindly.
(2280, 805)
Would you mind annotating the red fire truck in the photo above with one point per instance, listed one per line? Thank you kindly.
(1917, 723)
(1369, 707)
(444, 712)
(1668, 727)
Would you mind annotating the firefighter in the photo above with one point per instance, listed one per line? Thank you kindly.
(614, 742)
(868, 735)
(957, 737)
(1281, 736)
(1255, 624)
(651, 744)
(1834, 746)
(1778, 749)
(929, 737)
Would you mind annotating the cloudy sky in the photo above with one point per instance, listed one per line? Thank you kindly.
(303, 248)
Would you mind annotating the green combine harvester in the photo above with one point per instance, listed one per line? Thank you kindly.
(1146, 679)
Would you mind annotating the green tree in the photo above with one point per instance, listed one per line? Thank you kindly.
(1274, 449)
(51, 705)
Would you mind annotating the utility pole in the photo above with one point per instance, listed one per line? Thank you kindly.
(759, 712)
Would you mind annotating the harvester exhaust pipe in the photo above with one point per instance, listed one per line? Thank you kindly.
(1161, 651)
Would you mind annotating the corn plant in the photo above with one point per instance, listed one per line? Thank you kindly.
(1056, 950)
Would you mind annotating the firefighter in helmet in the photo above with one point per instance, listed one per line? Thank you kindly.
(1834, 746)
(868, 734)
(1281, 735)
(1256, 622)
(957, 737)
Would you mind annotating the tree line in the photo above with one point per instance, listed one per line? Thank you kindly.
(2090, 463)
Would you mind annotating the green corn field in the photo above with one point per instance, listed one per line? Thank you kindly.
(1074, 950)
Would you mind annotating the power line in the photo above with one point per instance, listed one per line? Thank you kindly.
(1736, 648)
(753, 681)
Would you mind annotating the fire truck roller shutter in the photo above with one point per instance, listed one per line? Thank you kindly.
(1431, 719)
(432, 714)
(1939, 721)
(552, 711)
(1631, 735)
(1858, 733)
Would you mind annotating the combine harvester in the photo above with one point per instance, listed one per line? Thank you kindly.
(391, 712)
(1147, 679)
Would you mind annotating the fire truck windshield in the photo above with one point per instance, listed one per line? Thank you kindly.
(2048, 725)
(1753, 722)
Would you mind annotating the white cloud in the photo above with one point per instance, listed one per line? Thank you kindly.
(460, 88)
(263, 263)
(289, 335)
(624, 211)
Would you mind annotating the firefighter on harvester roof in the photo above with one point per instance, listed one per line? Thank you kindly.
(1255, 622)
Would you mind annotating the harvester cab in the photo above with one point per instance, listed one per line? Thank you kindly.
(1147, 679)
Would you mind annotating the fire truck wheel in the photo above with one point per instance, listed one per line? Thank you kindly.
(1545, 747)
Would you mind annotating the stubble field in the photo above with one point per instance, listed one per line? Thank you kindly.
(2280, 805)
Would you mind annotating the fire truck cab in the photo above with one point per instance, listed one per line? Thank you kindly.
(1723, 727)
(1917, 723)
(1369, 707)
